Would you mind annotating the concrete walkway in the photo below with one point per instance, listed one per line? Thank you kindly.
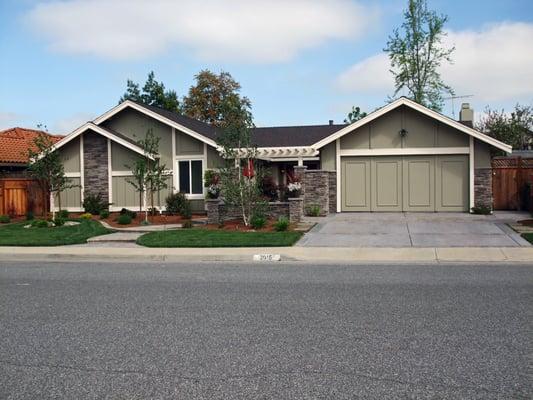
(303, 254)
(415, 230)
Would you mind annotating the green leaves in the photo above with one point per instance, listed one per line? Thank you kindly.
(417, 53)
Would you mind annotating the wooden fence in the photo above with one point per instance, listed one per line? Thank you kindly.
(19, 195)
(512, 179)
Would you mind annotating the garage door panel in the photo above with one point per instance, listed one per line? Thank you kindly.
(419, 184)
(386, 184)
(408, 183)
(356, 185)
(452, 183)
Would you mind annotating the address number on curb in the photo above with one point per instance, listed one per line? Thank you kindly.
(267, 257)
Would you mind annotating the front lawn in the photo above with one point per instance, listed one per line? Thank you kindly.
(198, 237)
(16, 235)
(528, 237)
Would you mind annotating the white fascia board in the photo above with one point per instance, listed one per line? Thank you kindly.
(91, 126)
(424, 110)
(160, 118)
(412, 151)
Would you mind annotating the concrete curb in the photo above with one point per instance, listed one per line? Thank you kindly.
(299, 254)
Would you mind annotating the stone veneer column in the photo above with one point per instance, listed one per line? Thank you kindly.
(213, 206)
(483, 187)
(317, 190)
(332, 192)
(296, 209)
(95, 170)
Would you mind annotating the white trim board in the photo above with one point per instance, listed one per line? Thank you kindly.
(424, 110)
(154, 115)
(405, 151)
(104, 132)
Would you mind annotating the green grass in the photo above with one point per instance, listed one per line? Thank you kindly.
(198, 237)
(17, 235)
(528, 237)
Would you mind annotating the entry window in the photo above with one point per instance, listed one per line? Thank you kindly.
(190, 176)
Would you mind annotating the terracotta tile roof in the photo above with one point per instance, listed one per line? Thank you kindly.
(15, 142)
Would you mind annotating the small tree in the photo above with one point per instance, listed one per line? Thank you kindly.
(47, 169)
(417, 54)
(241, 175)
(515, 128)
(149, 175)
(355, 115)
(138, 178)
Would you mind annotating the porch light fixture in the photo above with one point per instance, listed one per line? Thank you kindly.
(403, 132)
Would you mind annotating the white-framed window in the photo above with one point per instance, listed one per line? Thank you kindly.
(191, 177)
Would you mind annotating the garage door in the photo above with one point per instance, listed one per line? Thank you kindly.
(410, 183)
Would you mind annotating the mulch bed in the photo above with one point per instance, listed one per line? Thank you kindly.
(526, 222)
(237, 225)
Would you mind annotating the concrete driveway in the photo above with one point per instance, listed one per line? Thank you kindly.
(414, 230)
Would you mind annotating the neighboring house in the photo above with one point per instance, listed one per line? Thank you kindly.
(401, 157)
(18, 192)
(14, 146)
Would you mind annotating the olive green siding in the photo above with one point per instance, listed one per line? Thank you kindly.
(70, 155)
(125, 195)
(70, 198)
(122, 158)
(214, 160)
(135, 125)
(422, 131)
(408, 183)
(187, 145)
(482, 156)
(328, 157)
(197, 206)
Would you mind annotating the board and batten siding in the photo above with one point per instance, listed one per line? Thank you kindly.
(70, 198)
(422, 132)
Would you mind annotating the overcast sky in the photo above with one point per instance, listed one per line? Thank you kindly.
(299, 61)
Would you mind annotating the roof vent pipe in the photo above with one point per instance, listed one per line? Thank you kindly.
(331, 122)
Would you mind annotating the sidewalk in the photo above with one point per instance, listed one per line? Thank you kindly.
(302, 254)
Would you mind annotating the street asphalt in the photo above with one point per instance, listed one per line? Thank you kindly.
(265, 331)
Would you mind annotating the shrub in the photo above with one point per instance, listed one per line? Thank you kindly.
(145, 222)
(63, 214)
(30, 216)
(313, 210)
(258, 221)
(282, 224)
(268, 188)
(5, 219)
(86, 216)
(125, 211)
(481, 209)
(178, 204)
(93, 203)
(39, 223)
(124, 219)
(187, 224)
(59, 221)
(104, 214)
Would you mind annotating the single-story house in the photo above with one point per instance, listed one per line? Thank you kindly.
(401, 157)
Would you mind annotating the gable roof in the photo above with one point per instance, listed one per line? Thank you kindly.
(15, 143)
(198, 130)
(403, 101)
(106, 132)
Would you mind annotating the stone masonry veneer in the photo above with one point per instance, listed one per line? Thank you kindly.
(316, 190)
(95, 172)
(483, 187)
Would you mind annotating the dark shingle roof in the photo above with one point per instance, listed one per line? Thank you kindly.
(288, 136)
(283, 136)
